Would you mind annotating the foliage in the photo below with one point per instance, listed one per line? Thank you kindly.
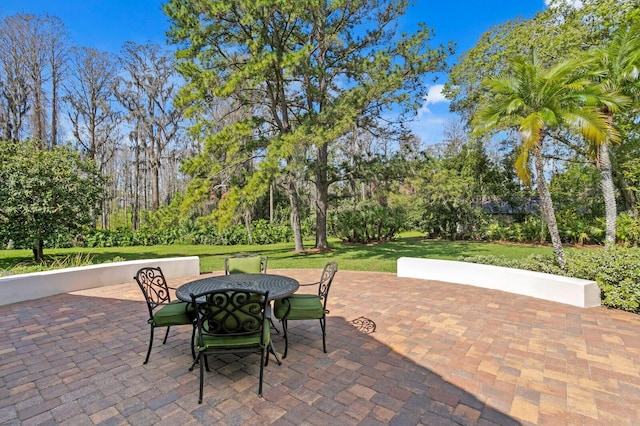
(105, 238)
(577, 190)
(451, 192)
(558, 32)
(580, 229)
(537, 100)
(604, 35)
(534, 262)
(52, 263)
(616, 69)
(189, 232)
(628, 229)
(44, 194)
(617, 272)
(366, 222)
(295, 78)
(531, 229)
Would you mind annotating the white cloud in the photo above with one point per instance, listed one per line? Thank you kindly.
(429, 130)
(434, 96)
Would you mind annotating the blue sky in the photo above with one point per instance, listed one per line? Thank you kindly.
(107, 24)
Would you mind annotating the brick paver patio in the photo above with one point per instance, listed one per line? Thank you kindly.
(440, 354)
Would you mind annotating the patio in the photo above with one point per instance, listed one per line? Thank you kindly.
(440, 354)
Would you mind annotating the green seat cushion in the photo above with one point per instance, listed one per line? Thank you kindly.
(244, 265)
(234, 342)
(175, 313)
(303, 306)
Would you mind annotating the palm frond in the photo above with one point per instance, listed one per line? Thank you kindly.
(531, 130)
(593, 125)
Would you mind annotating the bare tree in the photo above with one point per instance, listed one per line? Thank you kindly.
(89, 97)
(57, 51)
(146, 90)
(33, 50)
(14, 79)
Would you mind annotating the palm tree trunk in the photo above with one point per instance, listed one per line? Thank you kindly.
(608, 193)
(546, 206)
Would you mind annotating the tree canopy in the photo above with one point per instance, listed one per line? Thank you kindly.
(560, 31)
(44, 193)
(300, 77)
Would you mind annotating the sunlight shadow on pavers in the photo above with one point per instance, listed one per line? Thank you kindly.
(95, 346)
(399, 352)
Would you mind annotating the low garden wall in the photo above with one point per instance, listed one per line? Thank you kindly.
(556, 288)
(17, 288)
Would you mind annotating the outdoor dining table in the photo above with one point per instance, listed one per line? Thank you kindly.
(278, 286)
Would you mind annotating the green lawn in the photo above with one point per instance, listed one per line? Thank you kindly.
(376, 257)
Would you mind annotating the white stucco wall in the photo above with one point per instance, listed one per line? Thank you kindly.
(17, 288)
(571, 291)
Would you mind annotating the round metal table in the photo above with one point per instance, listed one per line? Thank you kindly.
(278, 286)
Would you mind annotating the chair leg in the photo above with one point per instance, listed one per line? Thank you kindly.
(273, 326)
(262, 364)
(193, 342)
(323, 325)
(284, 334)
(193, 364)
(272, 349)
(165, 336)
(201, 378)
(146, 360)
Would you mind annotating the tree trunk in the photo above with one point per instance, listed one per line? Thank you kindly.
(136, 186)
(155, 185)
(38, 251)
(38, 112)
(322, 194)
(290, 187)
(54, 110)
(271, 203)
(247, 223)
(546, 206)
(608, 193)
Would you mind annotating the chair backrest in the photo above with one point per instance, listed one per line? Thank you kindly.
(329, 271)
(227, 313)
(245, 264)
(154, 287)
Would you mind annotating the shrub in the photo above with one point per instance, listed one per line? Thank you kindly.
(627, 229)
(265, 232)
(365, 222)
(617, 272)
(70, 261)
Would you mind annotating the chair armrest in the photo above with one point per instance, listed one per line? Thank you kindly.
(316, 283)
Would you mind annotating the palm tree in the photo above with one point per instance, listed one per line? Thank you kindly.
(616, 68)
(535, 100)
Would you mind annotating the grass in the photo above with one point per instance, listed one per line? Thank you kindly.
(380, 257)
